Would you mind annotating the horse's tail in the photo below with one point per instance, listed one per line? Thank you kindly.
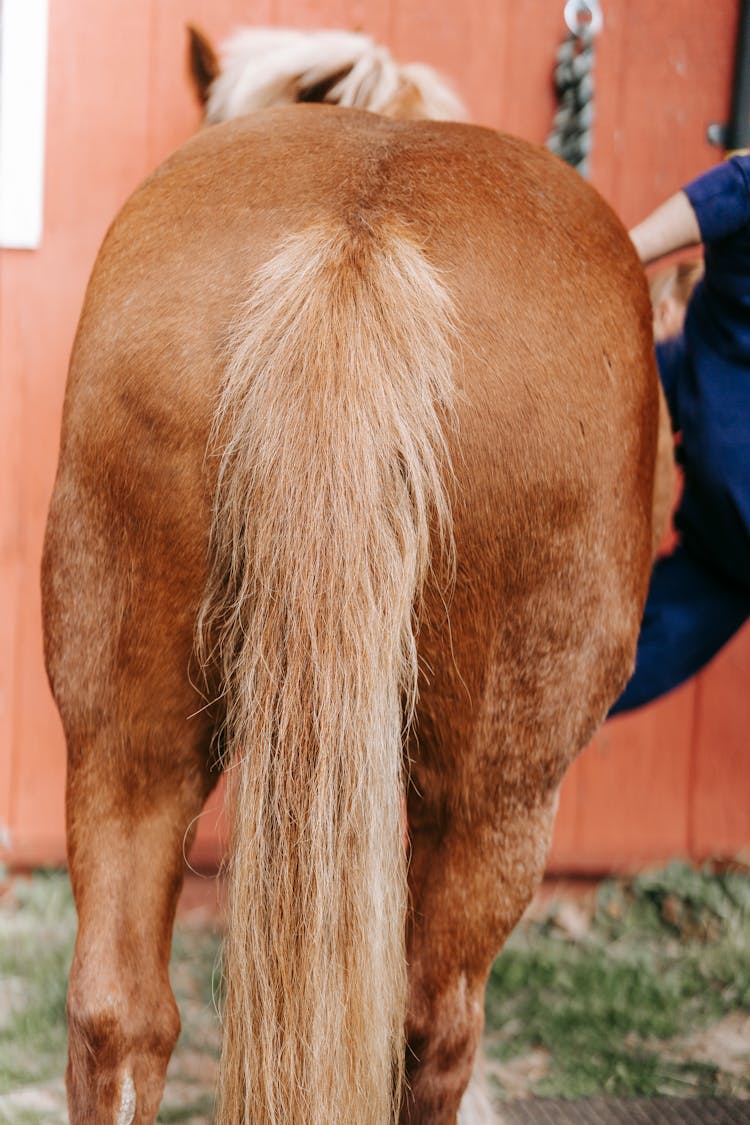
(330, 492)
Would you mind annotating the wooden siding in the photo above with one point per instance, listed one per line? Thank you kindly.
(672, 780)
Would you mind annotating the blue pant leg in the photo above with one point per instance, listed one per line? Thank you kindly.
(690, 614)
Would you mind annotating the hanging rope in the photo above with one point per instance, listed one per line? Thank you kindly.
(572, 128)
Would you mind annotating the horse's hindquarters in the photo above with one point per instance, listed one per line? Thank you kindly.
(552, 446)
(552, 518)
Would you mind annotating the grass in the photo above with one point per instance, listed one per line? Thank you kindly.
(634, 1004)
(37, 931)
(36, 942)
(632, 1007)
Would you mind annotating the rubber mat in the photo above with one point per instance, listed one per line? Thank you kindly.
(626, 1111)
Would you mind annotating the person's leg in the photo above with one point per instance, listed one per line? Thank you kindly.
(690, 614)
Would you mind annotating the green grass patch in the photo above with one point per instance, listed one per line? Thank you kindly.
(666, 954)
(37, 933)
(664, 958)
(36, 942)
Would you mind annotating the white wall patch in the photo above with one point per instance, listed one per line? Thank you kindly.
(23, 96)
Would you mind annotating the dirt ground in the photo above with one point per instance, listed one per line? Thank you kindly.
(627, 988)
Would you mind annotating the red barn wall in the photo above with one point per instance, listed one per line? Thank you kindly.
(672, 780)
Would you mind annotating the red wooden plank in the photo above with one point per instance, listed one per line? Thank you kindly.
(37, 763)
(525, 71)
(463, 44)
(11, 558)
(314, 14)
(210, 844)
(373, 19)
(720, 797)
(612, 66)
(96, 153)
(346, 15)
(565, 847)
(675, 75)
(629, 792)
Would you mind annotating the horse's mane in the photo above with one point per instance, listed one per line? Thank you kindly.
(264, 67)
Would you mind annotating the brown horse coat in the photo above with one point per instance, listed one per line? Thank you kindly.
(413, 330)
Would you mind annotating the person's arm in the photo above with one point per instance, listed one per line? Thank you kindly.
(670, 227)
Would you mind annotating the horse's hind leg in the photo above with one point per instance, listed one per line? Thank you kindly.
(473, 873)
(486, 767)
(118, 636)
(126, 841)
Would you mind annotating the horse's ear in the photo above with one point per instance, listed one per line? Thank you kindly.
(204, 62)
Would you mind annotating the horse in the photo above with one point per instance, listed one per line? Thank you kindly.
(265, 67)
(354, 505)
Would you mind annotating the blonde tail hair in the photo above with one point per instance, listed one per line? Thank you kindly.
(331, 490)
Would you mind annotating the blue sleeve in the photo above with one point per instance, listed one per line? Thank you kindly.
(721, 198)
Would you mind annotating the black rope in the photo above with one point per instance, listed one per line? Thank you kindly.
(572, 128)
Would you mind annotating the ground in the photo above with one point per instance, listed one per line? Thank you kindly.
(632, 987)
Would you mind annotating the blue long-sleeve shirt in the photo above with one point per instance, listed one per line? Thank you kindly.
(706, 374)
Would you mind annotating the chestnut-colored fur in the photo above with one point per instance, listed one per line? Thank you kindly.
(294, 328)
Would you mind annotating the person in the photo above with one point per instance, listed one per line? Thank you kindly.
(700, 593)
(671, 289)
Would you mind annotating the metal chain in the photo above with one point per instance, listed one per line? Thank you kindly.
(572, 127)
